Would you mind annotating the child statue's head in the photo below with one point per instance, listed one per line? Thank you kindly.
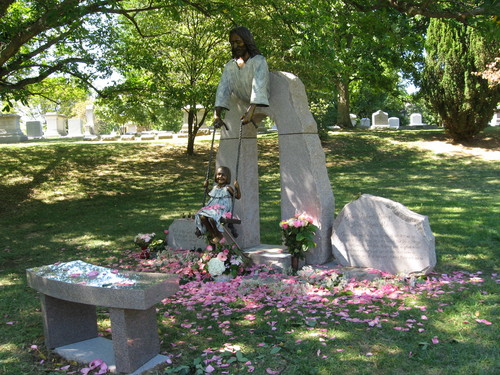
(222, 176)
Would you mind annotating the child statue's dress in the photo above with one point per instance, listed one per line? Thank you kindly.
(219, 205)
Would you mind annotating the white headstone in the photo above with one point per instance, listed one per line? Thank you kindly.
(90, 125)
(380, 119)
(131, 128)
(364, 123)
(353, 118)
(393, 123)
(416, 119)
(10, 130)
(34, 129)
(378, 233)
(56, 124)
(495, 121)
(75, 127)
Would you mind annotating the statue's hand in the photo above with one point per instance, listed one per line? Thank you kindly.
(248, 116)
(218, 123)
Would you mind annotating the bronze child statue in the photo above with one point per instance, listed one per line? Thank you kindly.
(220, 205)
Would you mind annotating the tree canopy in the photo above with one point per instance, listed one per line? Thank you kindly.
(330, 44)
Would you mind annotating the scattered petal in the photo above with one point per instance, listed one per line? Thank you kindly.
(484, 321)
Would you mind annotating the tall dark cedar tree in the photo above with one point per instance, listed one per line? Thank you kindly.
(461, 98)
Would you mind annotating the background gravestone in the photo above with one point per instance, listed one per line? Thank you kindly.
(380, 120)
(416, 119)
(10, 130)
(378, 233)
(34, 129)
(56, 124)
(75, 127)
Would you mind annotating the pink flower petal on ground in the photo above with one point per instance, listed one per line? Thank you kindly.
(209, 369)
(484, 321)
(435, 340)
(34, 347)
(271, 372)
(92, 274)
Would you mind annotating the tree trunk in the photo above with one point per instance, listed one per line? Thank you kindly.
(343, 115)
(191, 130)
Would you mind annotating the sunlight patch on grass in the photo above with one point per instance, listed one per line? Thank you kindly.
(4, 281)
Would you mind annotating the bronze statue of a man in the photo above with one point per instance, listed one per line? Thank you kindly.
(246, 75)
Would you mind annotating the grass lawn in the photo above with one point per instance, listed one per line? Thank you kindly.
(62, 201)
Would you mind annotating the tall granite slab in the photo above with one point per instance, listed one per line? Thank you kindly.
(379, 233)
(34, 129)
(10, 130)
(305, 186)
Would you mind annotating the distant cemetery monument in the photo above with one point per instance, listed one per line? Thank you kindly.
(380, 120)
(10, 130)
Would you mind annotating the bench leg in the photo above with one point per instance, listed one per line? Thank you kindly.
(67, 322)
(135, 337)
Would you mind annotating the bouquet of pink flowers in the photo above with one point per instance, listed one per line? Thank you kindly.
(298, 234)
(143, 240)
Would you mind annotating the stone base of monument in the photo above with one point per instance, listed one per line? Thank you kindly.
(101, 348)
(181, 236)
(91, 137)
(271, 255)
(417, 127)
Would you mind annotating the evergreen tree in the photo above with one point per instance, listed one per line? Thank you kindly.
(461, 98)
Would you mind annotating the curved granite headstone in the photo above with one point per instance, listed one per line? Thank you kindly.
(379, 233)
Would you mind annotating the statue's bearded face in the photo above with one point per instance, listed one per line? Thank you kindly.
(238, 47)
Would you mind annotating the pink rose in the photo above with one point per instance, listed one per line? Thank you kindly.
(222, 257)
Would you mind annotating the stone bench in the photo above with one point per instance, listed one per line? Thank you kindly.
(70, 293)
